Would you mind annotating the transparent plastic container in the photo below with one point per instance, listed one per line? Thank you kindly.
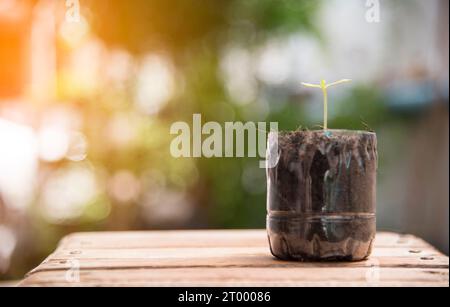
(321, 195)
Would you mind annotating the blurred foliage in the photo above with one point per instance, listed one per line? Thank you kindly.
(194, 34)
(142, 25)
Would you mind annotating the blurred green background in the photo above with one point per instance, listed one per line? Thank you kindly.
(87, 101)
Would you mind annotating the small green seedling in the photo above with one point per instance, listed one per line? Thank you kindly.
(324, 86)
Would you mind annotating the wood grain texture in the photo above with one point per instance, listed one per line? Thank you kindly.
(228, 258)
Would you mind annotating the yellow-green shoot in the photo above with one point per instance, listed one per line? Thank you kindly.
(324, 87)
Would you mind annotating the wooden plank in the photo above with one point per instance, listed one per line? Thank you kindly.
(193, 238)
(258, 277)
(205, 254)
(225, 263)
(228, 257)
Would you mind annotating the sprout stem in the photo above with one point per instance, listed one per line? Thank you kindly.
(325, 108)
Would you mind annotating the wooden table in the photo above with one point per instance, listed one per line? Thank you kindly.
(227, 258)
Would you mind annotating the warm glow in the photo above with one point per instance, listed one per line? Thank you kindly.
(18, 163)
(53, 144)
(74, 33)
(124, 187)
(8, 242)
(68, 192)
(155, 84)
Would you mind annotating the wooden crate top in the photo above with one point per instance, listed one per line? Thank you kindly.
(228, 258)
